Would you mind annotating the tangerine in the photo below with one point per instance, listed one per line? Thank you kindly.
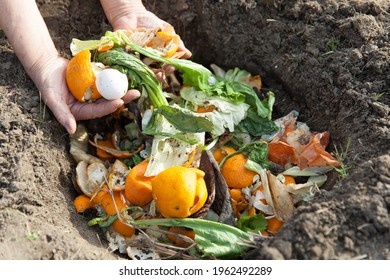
(221, 153)
(236, 175)
(98, 194)
(138, 187)
(82, 203)
(179, 191)
(289, 179)
(113, 202)
(122, 228)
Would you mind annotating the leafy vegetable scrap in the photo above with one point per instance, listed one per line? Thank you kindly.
(196, 167)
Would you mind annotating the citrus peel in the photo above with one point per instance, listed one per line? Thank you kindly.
(179, 191)
(138, 187)
(80, 77)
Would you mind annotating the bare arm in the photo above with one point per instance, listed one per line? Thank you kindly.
(28, 35)
(35, 49)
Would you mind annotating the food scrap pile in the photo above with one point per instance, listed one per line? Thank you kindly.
(194, 168)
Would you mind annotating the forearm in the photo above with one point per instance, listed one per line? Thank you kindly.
(28, 34)
(114, 9)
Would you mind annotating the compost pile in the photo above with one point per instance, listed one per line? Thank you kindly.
(327, 60)
(196, 162)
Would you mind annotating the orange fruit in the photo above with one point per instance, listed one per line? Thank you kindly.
(82, 203)
(80, 77)
(179, 191)
(138, 188)
(182, 231)
(98, 195)
(235, 194)
(289, 179)
(122, 228)
(112, 204)
(274, 225)
(236, 175)
(252, 211)
(221, 153)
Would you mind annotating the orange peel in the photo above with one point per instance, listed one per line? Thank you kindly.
(80, 77)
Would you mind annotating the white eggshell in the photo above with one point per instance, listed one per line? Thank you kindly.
(111, 84)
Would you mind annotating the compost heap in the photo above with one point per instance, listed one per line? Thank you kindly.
(194, 168)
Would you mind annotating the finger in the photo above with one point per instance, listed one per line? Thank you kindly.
(160, 76)
(131, 95)
(182, 47)
(100, 108)
(62, 113)
(169, 69)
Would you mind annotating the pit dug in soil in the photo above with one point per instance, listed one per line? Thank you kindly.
(327, 60)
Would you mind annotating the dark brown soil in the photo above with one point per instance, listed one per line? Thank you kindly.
(329, 60)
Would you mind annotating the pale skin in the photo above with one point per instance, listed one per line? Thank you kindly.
(36, 51)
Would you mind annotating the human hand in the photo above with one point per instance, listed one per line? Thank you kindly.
(35, 49)
(51, 83)
(132, 14)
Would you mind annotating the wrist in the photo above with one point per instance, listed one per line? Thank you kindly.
(42, 68)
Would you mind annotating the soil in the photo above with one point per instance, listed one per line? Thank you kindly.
(327, 59)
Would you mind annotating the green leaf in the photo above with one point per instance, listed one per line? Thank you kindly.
(212, 238)
(185, 120)
(259, 119)
(158, 125)
(255, 152)
(194, 74)
(255, 223)
(226, 115)
(226, 90)
(102, 222)
(133, 161)
(132, 130)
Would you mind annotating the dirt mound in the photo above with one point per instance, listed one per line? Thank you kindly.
(329, 60)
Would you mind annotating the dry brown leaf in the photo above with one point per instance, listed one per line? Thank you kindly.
(282, 201)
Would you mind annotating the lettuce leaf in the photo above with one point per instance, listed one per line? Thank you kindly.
(226, 114)
(212, 238)
(255, 223)
(170, 146)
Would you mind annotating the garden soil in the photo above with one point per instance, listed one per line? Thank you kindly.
(328, 59)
